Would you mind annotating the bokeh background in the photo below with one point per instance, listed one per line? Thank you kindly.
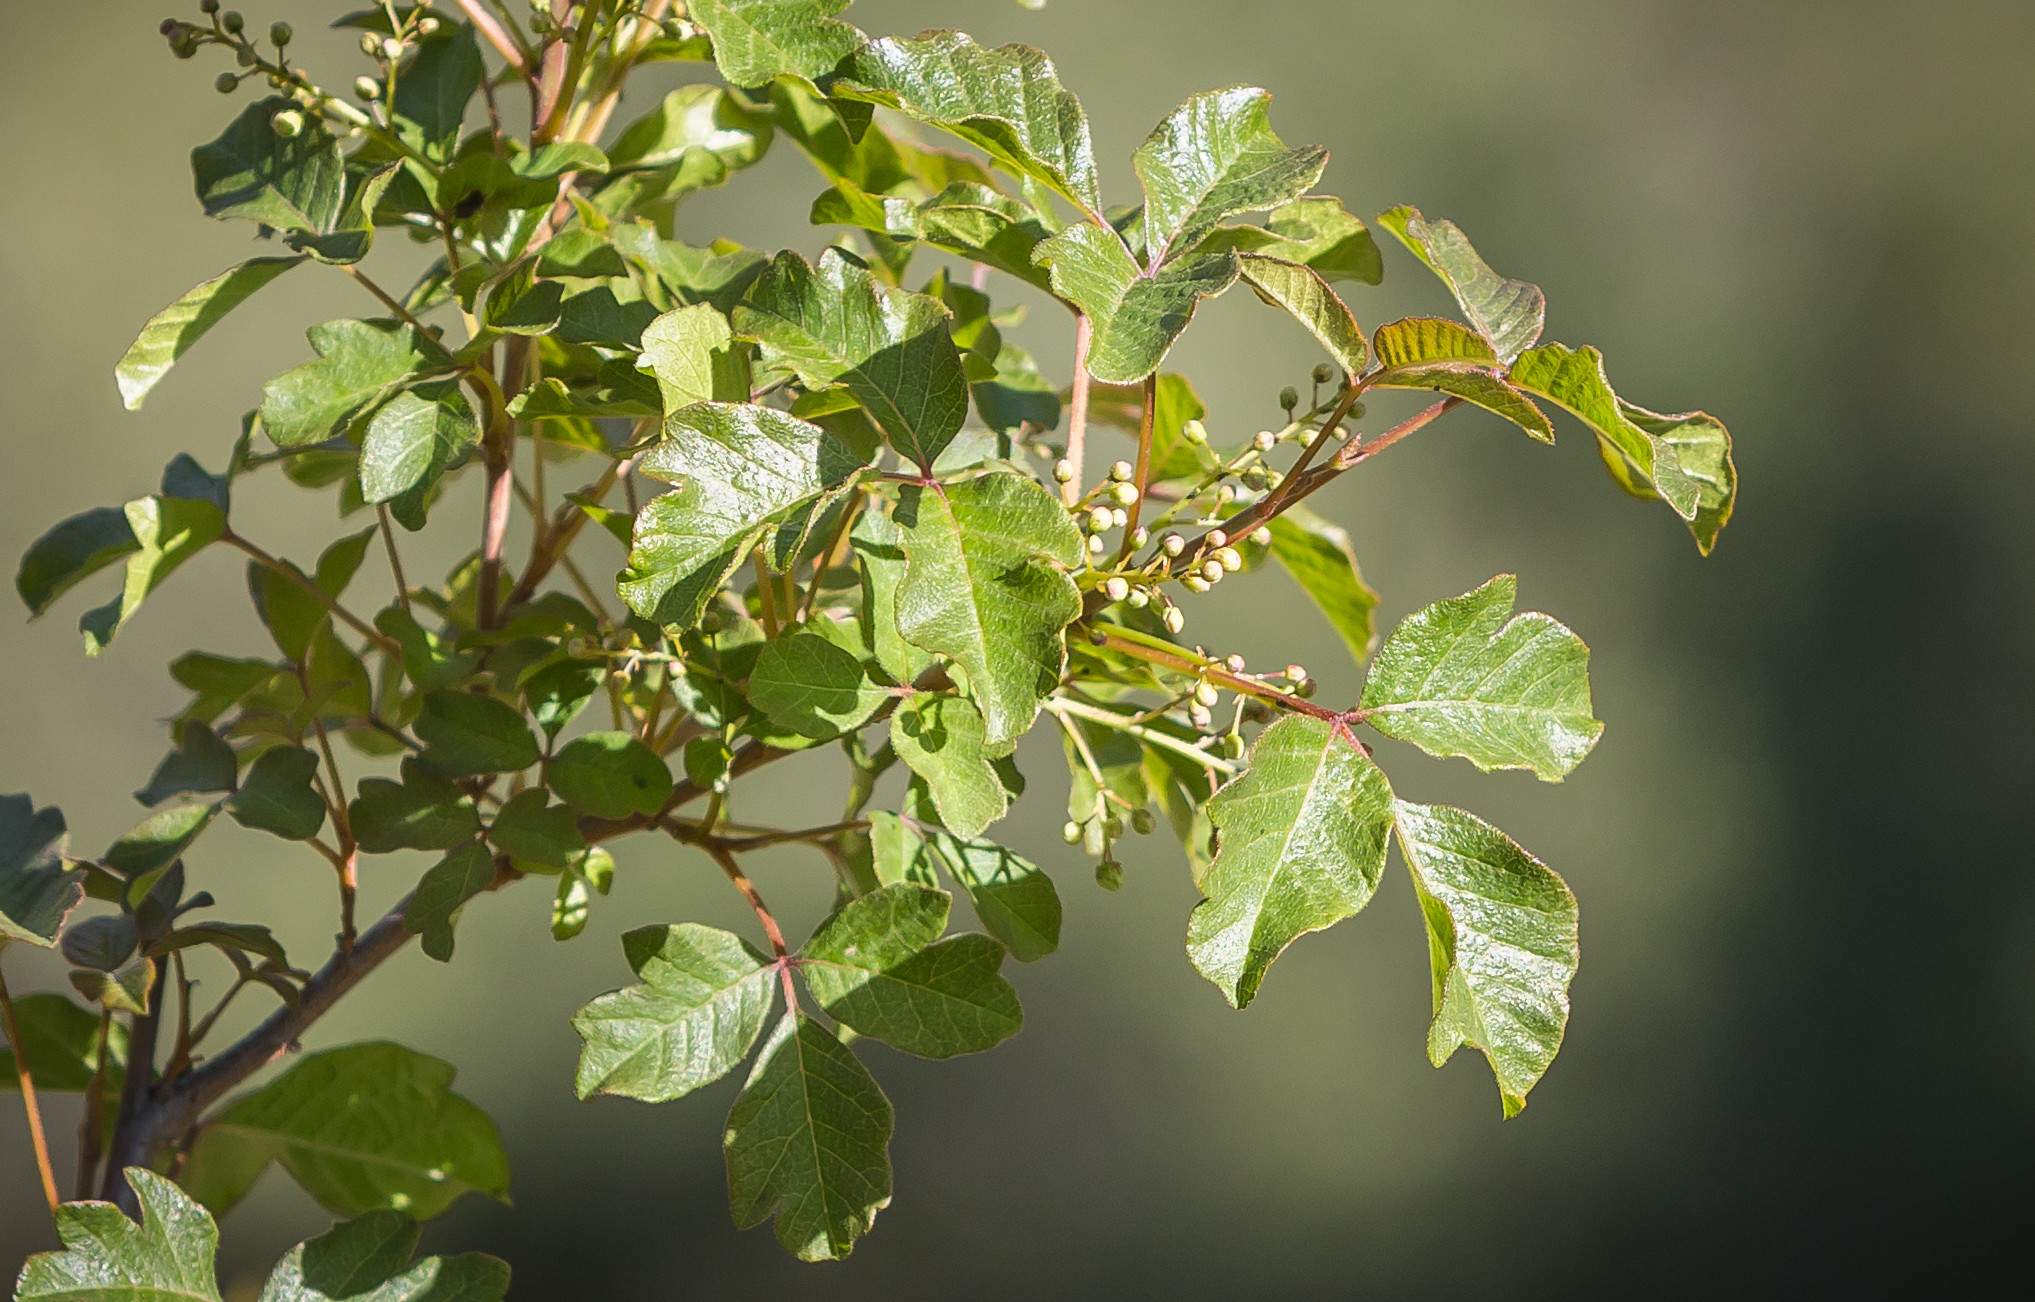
(1799, 1058)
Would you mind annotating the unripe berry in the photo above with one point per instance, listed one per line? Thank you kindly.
(1264, 440)
(280, 34)
(1063, 471)
(1296, 673)
(288, 124)
(1194, 432)
(1096, 546)
(1289, 398)
(1254, 478)
(208, 7)
(1099, 520)
(367, 88)
(1121, 471)
(1228, 558)
(1109, 875)
(1195, 583)
(1141, 821)
(1138, 600)
(1212, 570)
(1174, 619)
(1172, 544)
(1197, 714)
(1233, 662)
(1217, 538)
(710, 623)
(370, 44)
(1232, 746)
(1304, 688)
(232, 22)
(1119, 517)
(1205, 695)
(1261, 536)
(1124, 494)
(1116, 588)
(1114, 827)
(1071, 834)
(226, 83)
(1323, 373)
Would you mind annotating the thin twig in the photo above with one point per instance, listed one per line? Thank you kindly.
(324, 598)
(1077, 408)
(29, 1103)
(395, 558)
(766, 601)
(1151, 736)
(92, 1129)
(1142, 477)
(484, 23)
(387, 300)
(1124, 642)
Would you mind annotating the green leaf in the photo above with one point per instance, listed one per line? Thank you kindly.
(609, 775)
(968, 218)
(242, 936)
(702, 1003)
(171, 332)
(1501, 933)
(1314, 232)
(1702, 450)
(1213, 157)
(1306, 297)
(201, 763)
(1013, 899)
(352, 239)
(535, 832)
(687, 349)
(108, 1258)
(37, 892)
(72, 552)
(517, 303)
(696, 139)
(250, 172)
(813, 687)
(361, 1128)
(443, 892)
(410, 445)
(1459, 678)
(466, 735)
(835, 323)
(422, 812)
(144, 853)
(433, 89)
(1136, 317)
(276, 796)
(1302, 847)
(1319, 557)
(557, 693)
(874, 966)
(1430, 353)
(981, 589)
(62, 1041)
(359, 364)
(123, 990)
(368, 1260)
(756, 40)
(808, 1140)
(940, 738)
(740, 469)
(218, 681)
(1007, 101)
(1508, 313)
(170, 530)
(429, 659)
(879, 543)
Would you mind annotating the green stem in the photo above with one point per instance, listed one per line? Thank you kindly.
(1151, 736)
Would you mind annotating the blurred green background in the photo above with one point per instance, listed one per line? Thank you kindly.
(1799, 1055)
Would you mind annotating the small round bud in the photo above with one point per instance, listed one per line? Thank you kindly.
(1071, 834)
(1225, 495)
(226, 83)
(1289, 398)
(1109, 875)
(1114, 827)
(1323, 373)
(710, 623)
(245, 58)
(1140, 536)
(1257, 712)
(1356, 411)
(184, 45)
(1138, 599)
(1100, 519)
(1195, 583)
(1198, 715)
(208, 6)
(1206, 695)
(1194, 432)
(1121, 471)
(232, 22)
(1096, 546)
(1063, 471)
(1265, 440)
(1141, 821)
(1296, 673)
(1232, 746)
(1304, 688)
(1229, 559)
(1174, 619)
(427, 26)
(1119, 517)
(1116, 587)
(1261, 536)
(288, 124)
(1212, 571)
(1274, 478)
(370, 44)
(280, 34)
(367, 88)
(1124, 494)
(169, 27)
(1254, 478)
(1172, 544)
(1217, 538)
(1233, 662)
(1096, 637)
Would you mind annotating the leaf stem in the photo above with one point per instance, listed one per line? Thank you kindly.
(387, 300)
(1151, 736)
(395, 557)
(1077, 407)
(766, 602)
(28, 1100)
(1142, 478)
(725, 858)
(1125, 642)
(484, 23)
(325, 599)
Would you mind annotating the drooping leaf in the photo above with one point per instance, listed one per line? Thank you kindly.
(756, 40)
(609, 775)
(1307, 298)
(143, 854)
(245, 937)
(685, 349)
(359, 363)
(835, 323)
(72, 552)
(1136, 317)
(171, 332)
(250, 172)
(940, 738)
(1430, 353)
(200, 764)
(361, 1128)
(1213, 157)
(808, 684)
(1008, 101)
(37, 891)
(879, 966)
(466, 734)
(62, 1041)
(1501, 930)
(740, 468)
(1459, 678)
(443, 892)
(277, 796)
(218, 681)
(1508, 313)
(422, 812)
(980, 587)
(1319, 557)
(808, 1140)
(1702, 448)
(702, 1002)
(1303, 845)
(1314, 232)
(170, 530)
(108, 1258)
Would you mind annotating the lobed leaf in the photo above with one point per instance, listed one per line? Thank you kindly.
(108, 1258)
(441, 894)
(359, 365)
(1213, 157)
(1430, 353)
(609, 775)
(276, 795)
(250, 172)
(1508, 313)
(687, 349)
(757, 40)
(422, 812)
(1307, 298)
(200, 764)
(466, 734)
(37, 890)
(1136, 317)
(537, 834)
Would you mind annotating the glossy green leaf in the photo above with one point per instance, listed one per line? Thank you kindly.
(170, 530)
(368, 1260)
(352, 237)
(1303, 833)
(1702, 449)
(609, 775)
(808, 1141)
(171, 332)
(359, 364)
(466, 735)
(1508, 313)
(411, 443)
(686, 349)
(536, 833)
(277, 796)
(739, 468)
(517, 303)
(702, 1003)
(37, 891)
(1459, 678)
(940, 738)
(1136, 317)
(72, 552)
(361, 1128)
(1501, 931)
(756, 40)
(62, 1041)
(218, 681)
(1014, 901)
(1314, 232)
(981, 588)
(434, 88)
(835, 323)
(1307, 298)
(250, 172)
(108, 1258)
(422, 812)
(441, 894)
(557, 693)
(879, 966)
(1430, 353)
(102, 943)
(808, 684)
(1007, 101)
(200, 764)
(1213, 157)
(1319, 557)
(879, 543)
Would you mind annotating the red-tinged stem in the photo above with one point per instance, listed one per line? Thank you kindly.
(1077, 408)
(311, 589)
(484, 23)
(1186, 663)
(28, 1101)
(1143, 476)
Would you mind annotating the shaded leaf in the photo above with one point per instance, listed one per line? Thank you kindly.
(36, 890)
(609, 775)
(1014, 901)
(368, 1260)
(1508, 313)
(170, 530)
(466, 734)
(171, 332)
(422, 812)
(123, 990)
(702, 1003)
(1213, 157)
(535, 832)
(252, 173)
(62, 1041)
(940, 738)
(108, 1258)
(806, 683)
(441, 894)
(156, 843)
(72, 552)
(1430, 353)
(1319, 557)
(200, 764)
(277, 796)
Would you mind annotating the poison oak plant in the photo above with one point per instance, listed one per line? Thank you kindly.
(856, 516)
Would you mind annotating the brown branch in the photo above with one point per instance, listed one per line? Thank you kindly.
(1187, 663)
(1143, 476)
(395, 559)
(91, 1130)
(131, 1125)
(28, 1101)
